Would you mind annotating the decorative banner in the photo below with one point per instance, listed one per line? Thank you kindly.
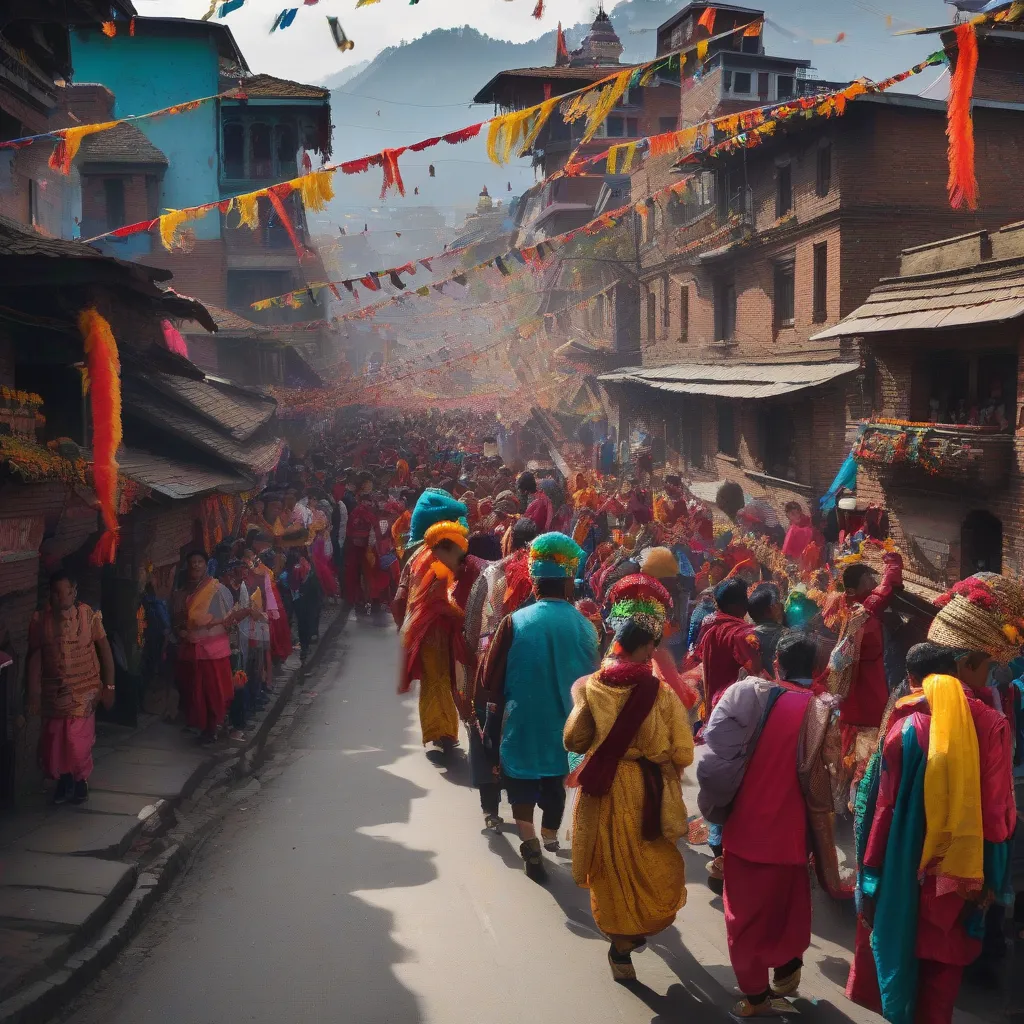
(105, 402)
(963, 180)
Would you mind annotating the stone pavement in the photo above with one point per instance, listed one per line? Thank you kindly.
(65, 870)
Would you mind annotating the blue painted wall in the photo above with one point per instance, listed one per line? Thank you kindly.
(145, 74)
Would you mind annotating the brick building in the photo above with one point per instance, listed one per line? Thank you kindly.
(270, 132)
(552, 207)
(945, 340)
(764, 250)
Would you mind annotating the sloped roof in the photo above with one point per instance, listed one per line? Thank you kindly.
(255, 457)
(177, 479)
(956, 298)
(239, 413)
(732, 380)
(581, 74)
(123, 144)
(271, 88)
(228, 323)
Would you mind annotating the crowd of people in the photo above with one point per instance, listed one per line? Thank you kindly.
(591, 638)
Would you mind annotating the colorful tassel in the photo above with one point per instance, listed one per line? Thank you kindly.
(71, 141)
(392, 175)
(276, 197)
(109, 29)
(317, 190)
(105, 402)
(171, 222)
(963, 181)
(248, 207)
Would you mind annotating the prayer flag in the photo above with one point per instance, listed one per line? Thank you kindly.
(707, 20)
(228, 7)
(341, 41)
(561, 50)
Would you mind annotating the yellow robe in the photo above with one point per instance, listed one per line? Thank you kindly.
(439, 718)
(636, 887)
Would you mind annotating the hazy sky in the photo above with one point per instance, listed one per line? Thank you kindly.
(306, 51)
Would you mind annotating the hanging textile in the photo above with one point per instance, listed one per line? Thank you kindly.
(105, 403)
(963, 181)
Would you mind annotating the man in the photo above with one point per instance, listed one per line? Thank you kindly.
(432, 637)
(936, 815)
(536, 503)
(800, 533)
(660, 564)
(768, 615)
(630, 812)
(501, 589)
(70, 670)
(361, 521)
(857, 665)
(727, 643)
(203, 613)
(536, 655)
(764, 778)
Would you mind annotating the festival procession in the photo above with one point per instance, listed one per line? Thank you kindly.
(511, 509)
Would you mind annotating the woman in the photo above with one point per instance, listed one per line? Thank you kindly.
(432, 635)
(630, 811)
(203, 614)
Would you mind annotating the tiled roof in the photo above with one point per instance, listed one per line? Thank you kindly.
(267, 87)
(253, 458)
(176, 479)
(489, 93)
(124, 144)
(227, 323)
(235, 411)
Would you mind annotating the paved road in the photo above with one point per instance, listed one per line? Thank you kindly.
(356, 886)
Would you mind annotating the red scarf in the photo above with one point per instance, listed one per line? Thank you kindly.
(598, 773)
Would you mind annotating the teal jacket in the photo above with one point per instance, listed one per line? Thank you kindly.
(552, 646)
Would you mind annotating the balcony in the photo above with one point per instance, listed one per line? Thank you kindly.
(963, 454)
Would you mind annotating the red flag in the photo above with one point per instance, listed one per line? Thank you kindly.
(561, 50)
(538, 11)
(707, 19)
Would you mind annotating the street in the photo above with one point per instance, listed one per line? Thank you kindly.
(356, 885)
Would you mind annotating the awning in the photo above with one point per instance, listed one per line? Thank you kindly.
(731, 380)
(957, 298)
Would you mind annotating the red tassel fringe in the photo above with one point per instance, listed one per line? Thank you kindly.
(963, 180)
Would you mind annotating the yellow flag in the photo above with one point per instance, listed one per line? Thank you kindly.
(702, 51)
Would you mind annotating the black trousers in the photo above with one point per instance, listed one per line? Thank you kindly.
(548, 794)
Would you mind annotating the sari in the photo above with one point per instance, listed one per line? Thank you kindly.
(433, 643)
(625, 830)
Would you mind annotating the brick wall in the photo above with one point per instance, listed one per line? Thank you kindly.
(201, 273)
(89, 102)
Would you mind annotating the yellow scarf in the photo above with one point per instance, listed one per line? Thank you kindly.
(954, 834)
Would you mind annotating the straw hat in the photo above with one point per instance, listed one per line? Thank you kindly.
(981, 613)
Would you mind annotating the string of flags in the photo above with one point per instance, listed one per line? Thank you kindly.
(510, 134)
(744, 131)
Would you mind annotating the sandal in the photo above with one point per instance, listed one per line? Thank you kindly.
(786, 985)
(765, 1008)
(621, 965)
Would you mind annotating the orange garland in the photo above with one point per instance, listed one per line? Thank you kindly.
(105, 400)
(963, 180)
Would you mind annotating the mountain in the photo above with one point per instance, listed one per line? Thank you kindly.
(425, 87)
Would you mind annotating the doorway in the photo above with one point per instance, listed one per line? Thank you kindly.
(981, 544)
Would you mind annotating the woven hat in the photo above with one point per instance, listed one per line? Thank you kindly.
(434, 506)
(981, 613)
(640, 599)
(659, 563)
(554, 556)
